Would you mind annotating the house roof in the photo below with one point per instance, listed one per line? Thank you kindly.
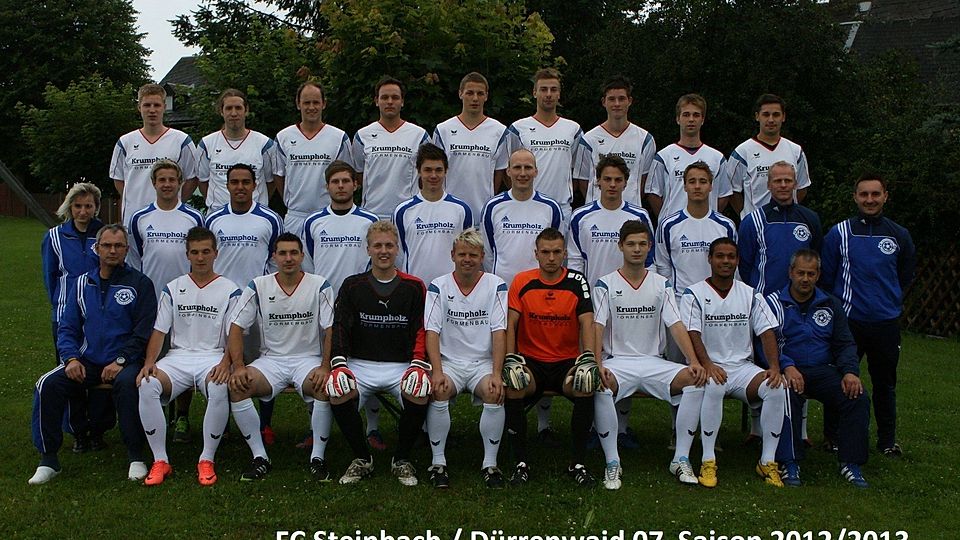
(184, 72)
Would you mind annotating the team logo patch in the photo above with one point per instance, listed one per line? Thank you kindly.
(801, 233)
(822, 317)
(888, 246)
(124, 296)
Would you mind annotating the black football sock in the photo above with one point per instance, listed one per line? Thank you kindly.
(351, 425)
(517, 428)
(580, 423)
(411, 423)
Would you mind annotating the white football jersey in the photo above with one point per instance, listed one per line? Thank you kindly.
(388, 161)
(637, 148)
(427, 231)
(158, 242)
(683, 243)
(748, 165)
(666, 176)
(510, 228)
(303, 162)
(245, 241)
(290, 325)
(134, 156)
(594, 233)
(336, 245)
(197, 319)
(474, 155)
(217, 155)
(465, 322)
(728, 324)
(562, 155)
(634, 320)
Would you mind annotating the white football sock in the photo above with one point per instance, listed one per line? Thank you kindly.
(803, 423)
(248, 422)
(688, 418)
(438, 427)
(771, 419)
(491, 429)
(321, 417)
(605, 420)
(711, 416)
(543, 413)
(623, 414)
(372, 408)
(151, 415)
(214, 419)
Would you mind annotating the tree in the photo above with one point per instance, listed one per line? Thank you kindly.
(56, 42)
(71, 136)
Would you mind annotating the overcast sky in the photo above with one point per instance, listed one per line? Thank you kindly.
(154, 19)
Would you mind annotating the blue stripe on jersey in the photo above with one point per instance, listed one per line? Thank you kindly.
(433, 289)
(122, 149)
(401, 230)
(266, 146)
(557, 215)
(601, 285)
(502, 287)
(135, 230)
(357, 211)
(488, 224)
(736, 156)
(467, 213)
(726, 222)
(665, 229)
(578, 216)
(646, 142)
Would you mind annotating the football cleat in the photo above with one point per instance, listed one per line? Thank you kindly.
(790, 474)
(683, 470)
(137, 471)
(892, 451)
(181, 430)
(43, 475)
(586, 373)
(708, 473)
(515, 375)
(341, 380)
(375, 440)
(770, 473)
(612, 475)
(258, 470)
(159, 472)
(851, 473)
(416, 379)
(521, 475)
(439, 477)
(319, 470)
(357, 471)
(405, 472)
(269, 437)
(81, 445)
(492, 477)
(206, 474)
(582, 476)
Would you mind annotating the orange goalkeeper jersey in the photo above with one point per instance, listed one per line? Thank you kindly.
(549, 328)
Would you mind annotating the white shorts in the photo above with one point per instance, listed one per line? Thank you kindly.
(739, 377)
(283, 372)
(187, 371)
(467, 375)
(294, 221)
(648, 374)
(375, 377)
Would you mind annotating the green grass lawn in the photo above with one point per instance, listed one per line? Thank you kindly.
(92, 497)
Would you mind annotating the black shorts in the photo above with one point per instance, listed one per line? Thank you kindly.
(548, 376)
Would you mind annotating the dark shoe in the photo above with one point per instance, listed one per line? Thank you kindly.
(892, 451)
(492, 477)
(319, 470)
(581, 476)
(439, 477)
(259, 468)
(521, 475)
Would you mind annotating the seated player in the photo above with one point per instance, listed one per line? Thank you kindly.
(378, 346)
(632, 308)
(549, 348)
(722, 315)
(294, 311)
(194, 310)
(820, 359)
(466, 318)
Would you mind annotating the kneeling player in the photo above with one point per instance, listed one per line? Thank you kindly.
(632, 307)
(378, 326)
(721, 315)
(194, 310)
(466, 317)
(549, 348)
(294, 311)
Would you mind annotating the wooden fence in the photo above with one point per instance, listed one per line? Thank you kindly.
(932, 305)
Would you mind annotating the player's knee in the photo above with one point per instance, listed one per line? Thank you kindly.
(441, 407)
(714, 391)
(150, 388)
(217, 392)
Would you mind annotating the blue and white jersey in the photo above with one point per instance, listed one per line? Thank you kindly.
(465, 321)
(666, 176)
(217, 155)
(769, 236)
(158, 242)
(561, 152)
(302, 162)
(510, 228)
(637, 148)
(867, 262)
(748, 165)
(594, 233)
(427, 231)
(634, 320)
(682, 245)
(134, 156)
(388, 161)
(336, 244)
(197, 319)
(67, 254)
(246, 241)
(474, 156)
